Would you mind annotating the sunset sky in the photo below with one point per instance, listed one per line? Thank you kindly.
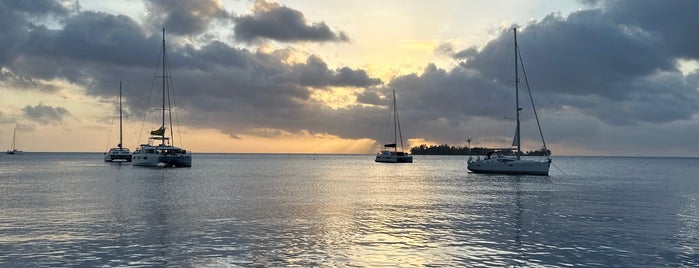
(608, 77)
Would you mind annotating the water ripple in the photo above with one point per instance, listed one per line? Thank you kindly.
(309, 210)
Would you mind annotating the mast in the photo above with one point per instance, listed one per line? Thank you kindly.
(14, 135)
(162, 126)
(120, 123)
(395, 123)
(517, 134)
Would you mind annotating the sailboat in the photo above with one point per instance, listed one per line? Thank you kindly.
(160, 151)
(118, 153)
(14, 150)
(496, 162)
(390, 153)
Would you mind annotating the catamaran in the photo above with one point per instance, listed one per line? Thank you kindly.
(496, 161)
(390, 153)
(160, 151)
(118, 153)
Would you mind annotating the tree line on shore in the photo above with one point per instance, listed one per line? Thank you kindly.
(445, 149)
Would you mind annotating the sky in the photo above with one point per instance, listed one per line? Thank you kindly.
(616, 78)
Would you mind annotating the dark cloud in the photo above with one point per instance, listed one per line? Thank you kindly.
(596, 74)
(94, 37)
(448, 49)
(372, 97)
(273, 21)
(587, 60)
(582, 52)
(348, 77)
(466, 53)
(19, 81)
(315, 73)
(672, 23)
(93, 49)
(215, 55)
(16, 18)
(38, 7)
(44, 114)
(186, 17)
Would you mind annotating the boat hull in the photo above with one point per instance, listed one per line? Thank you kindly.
(162, 160)
(118, 155)
(394, 159)
(510, 166)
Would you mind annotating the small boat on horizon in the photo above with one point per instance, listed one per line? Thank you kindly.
(119, 153)
(14, 149)
(496, 161)
(388, 155)
(160, 151)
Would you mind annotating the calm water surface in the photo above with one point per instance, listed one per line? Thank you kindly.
(232, 210)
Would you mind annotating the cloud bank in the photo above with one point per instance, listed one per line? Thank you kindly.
(604, 78)
(44, 114)
(273, 21)
(186, 17)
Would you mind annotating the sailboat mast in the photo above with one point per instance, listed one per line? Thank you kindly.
(162, 126)
(121, 132)
(395, 123)
(517, 133)
(14, 135)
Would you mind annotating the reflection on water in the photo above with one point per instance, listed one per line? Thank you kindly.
(338, 210)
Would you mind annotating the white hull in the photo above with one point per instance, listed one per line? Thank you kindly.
(116, 154)
(394, 159)
(160, 160)
(15, 151)
(510, 166)
(161, 156)
(386, 156)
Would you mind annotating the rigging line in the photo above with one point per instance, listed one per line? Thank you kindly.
(505, 61)
(171, 94)
(395, 123)
(177, 119)
(554, 165)
(125, 124)
(387, 124)
(109, 137)
(531, 98)
(400, 133)
(169, 105)
(503, 74)
(152, 85)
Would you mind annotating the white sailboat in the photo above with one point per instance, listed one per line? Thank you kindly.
(14, 150)
(160, 151)
(118, 153)
(496, 162)
(390, 153)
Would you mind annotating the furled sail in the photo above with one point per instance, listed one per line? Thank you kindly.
(158, 132)
(392, 145)
(515, 140)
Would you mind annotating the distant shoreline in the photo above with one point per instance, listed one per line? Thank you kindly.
(446, 149)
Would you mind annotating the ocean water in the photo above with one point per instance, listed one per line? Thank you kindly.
(260, 210)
